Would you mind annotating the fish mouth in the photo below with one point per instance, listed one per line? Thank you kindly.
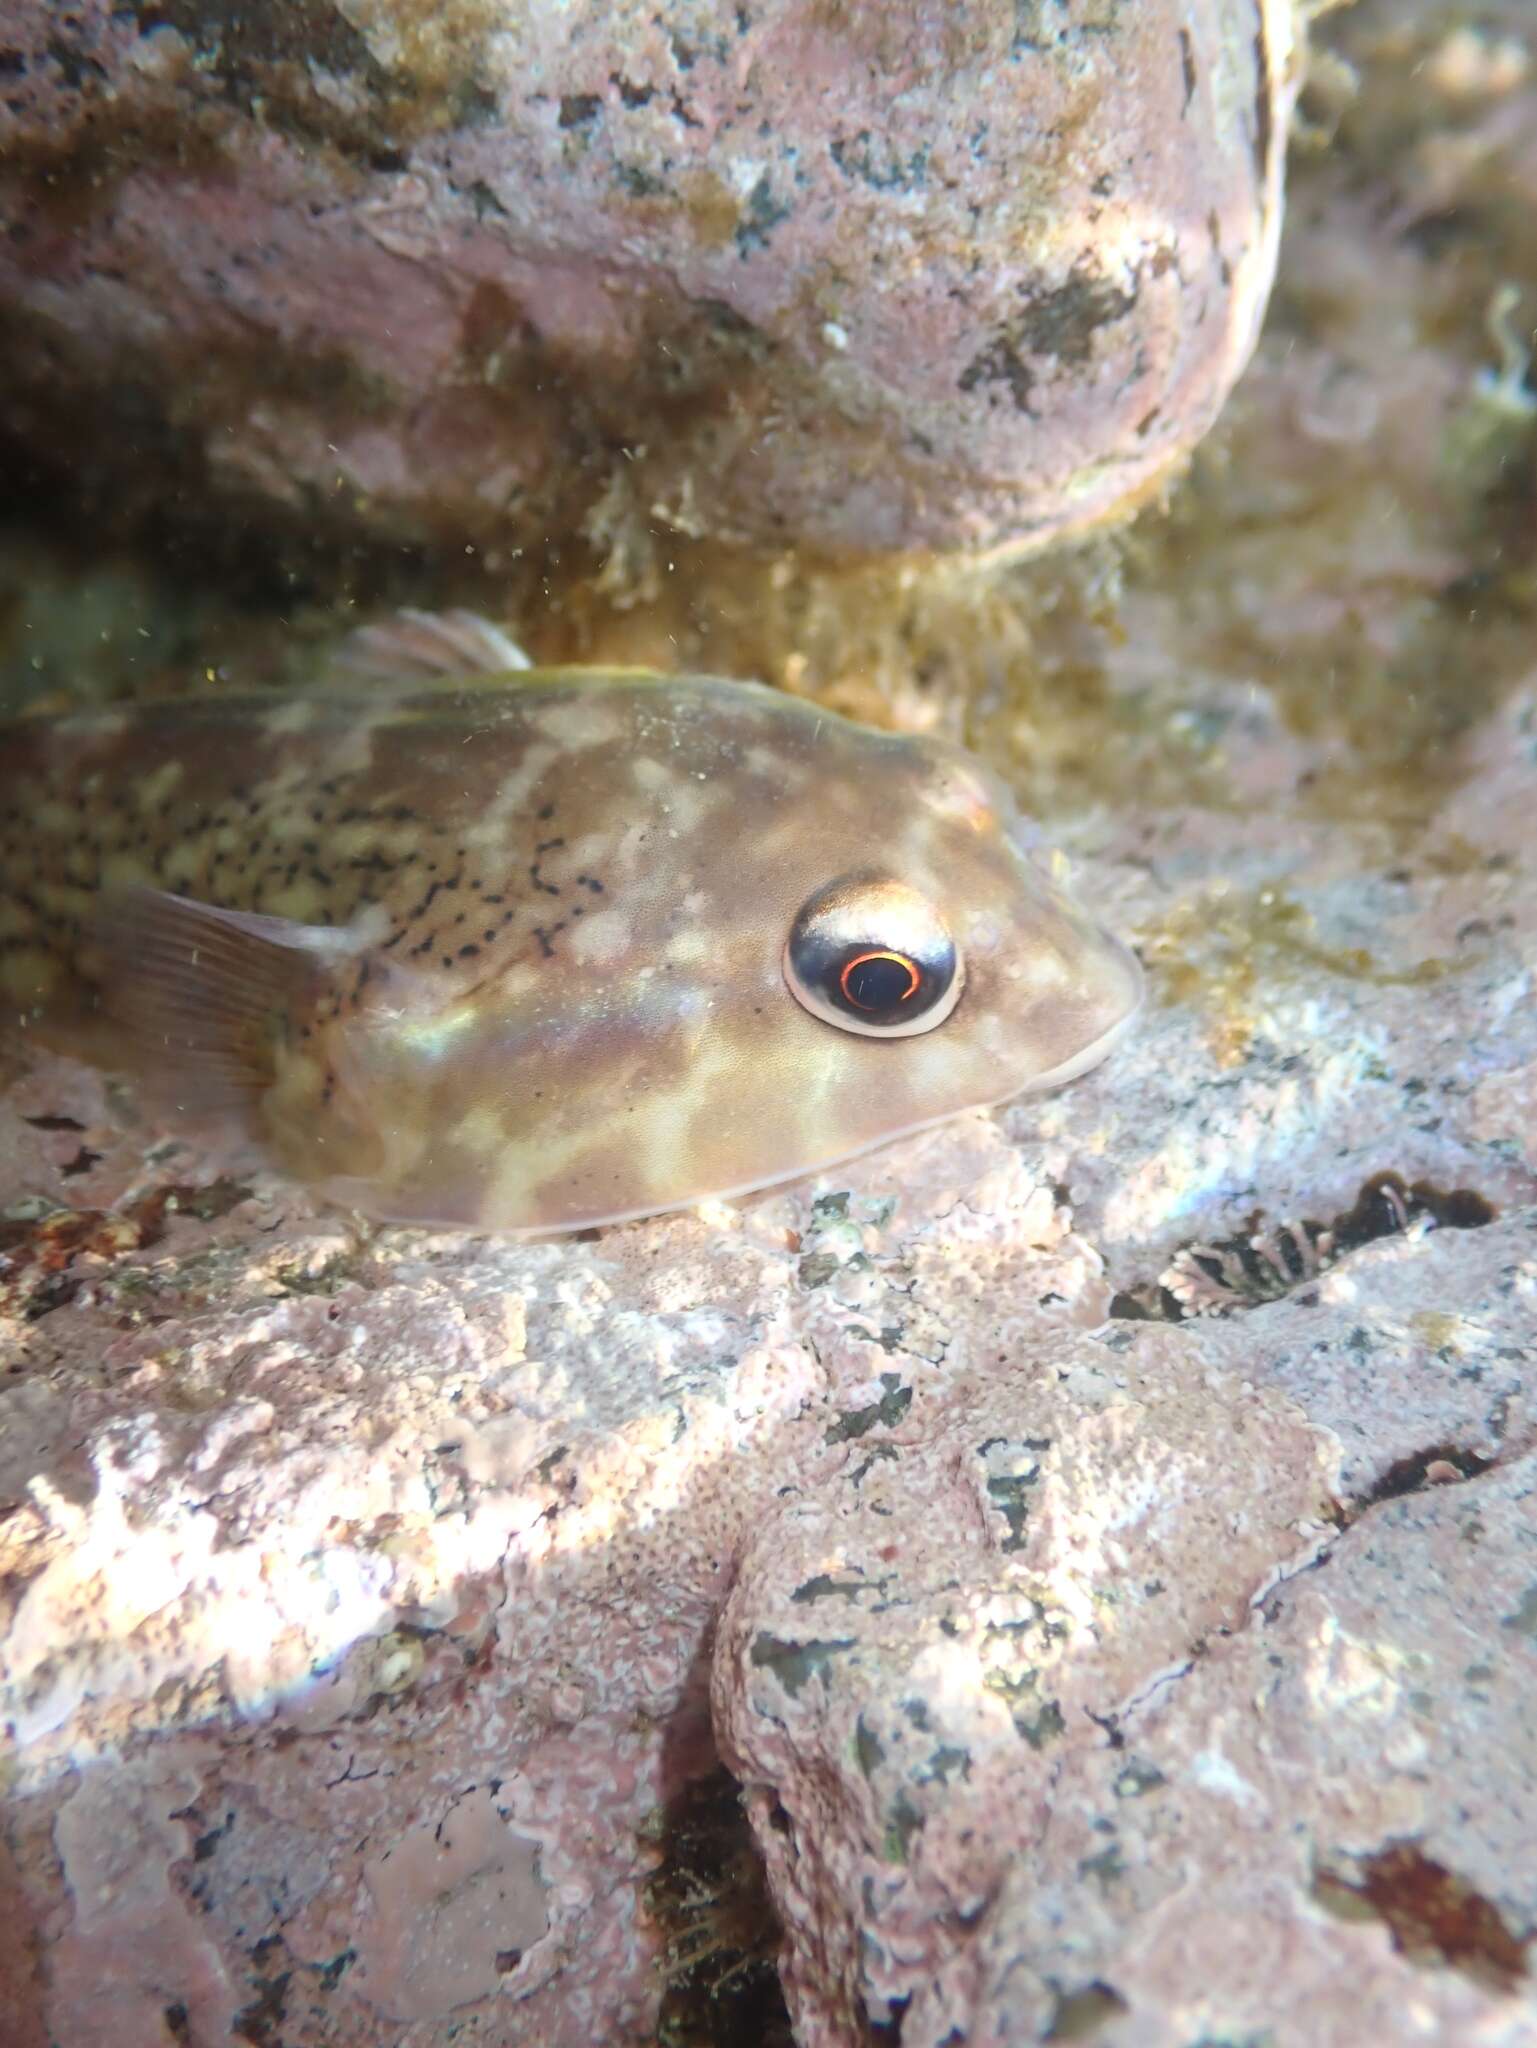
(1125, 975)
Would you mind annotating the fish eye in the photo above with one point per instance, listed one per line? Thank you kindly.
(873, 956)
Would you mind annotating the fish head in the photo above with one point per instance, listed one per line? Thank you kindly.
(931, 965)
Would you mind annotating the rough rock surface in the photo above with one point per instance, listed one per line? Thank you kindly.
(863, 278)
(1102, 1536)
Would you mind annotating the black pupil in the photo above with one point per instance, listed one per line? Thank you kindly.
(878, 983)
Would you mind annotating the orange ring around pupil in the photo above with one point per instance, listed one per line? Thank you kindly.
(914, 978)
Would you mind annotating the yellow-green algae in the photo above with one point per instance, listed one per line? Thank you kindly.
(1224, 950)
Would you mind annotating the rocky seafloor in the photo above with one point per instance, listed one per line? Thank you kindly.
(1099, 1537)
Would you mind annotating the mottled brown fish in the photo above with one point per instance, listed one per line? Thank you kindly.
(538, 950)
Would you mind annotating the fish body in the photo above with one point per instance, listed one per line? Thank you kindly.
(537, 952)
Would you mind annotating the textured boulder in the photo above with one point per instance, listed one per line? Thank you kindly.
(1170, 1746)
(870, 278)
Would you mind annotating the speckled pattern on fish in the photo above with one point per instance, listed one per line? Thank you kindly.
(528, 974)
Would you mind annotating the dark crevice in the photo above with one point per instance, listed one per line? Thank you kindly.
(1261, 1264)
(887, 2033)
(39, 1255)
(1414, 1473)
(709, 1897)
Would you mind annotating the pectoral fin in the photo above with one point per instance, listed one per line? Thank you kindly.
(204, 999)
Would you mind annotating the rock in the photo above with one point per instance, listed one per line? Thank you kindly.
(901, 278)
(1055, 1714)
(362, 1594)
(1099, 1534)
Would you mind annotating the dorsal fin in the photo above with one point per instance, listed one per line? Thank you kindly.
(428, 647)
(202, 996)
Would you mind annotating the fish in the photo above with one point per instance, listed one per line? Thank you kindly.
(463, 942)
